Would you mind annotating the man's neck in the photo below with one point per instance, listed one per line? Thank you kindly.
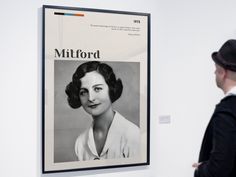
(228, 85)
(229, 89)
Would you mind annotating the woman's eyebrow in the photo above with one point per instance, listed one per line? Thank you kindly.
(98, 85)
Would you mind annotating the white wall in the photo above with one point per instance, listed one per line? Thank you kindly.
(184, 34)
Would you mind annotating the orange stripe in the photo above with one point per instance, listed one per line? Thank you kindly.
(81, 15)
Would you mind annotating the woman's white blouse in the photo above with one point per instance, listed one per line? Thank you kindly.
(123, 141)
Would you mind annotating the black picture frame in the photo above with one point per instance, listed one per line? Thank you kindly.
(73, 36)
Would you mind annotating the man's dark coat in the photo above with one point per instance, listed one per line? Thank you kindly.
(218, 151)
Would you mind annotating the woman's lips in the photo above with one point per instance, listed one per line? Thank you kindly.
(93, 106)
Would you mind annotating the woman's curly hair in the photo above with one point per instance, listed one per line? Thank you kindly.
(73, 88)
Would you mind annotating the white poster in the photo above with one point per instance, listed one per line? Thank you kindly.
(96, 88)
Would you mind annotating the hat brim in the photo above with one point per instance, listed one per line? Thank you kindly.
(217, 60)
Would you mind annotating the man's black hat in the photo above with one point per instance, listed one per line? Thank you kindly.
(226, 56)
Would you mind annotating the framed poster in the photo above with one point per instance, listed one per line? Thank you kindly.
(96, 89)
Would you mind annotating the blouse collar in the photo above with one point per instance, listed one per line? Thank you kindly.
(111, 136)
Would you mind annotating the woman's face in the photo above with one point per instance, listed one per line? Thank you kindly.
(94, 94)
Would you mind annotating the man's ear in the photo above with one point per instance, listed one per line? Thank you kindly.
(224, 73)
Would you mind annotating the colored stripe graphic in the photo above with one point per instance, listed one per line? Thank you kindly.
(68, 14)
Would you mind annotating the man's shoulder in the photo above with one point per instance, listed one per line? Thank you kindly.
(228, 100)
(228, 104)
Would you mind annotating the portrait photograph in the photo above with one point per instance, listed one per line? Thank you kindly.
(95, 89)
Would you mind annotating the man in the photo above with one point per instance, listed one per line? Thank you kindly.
(218, 152)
